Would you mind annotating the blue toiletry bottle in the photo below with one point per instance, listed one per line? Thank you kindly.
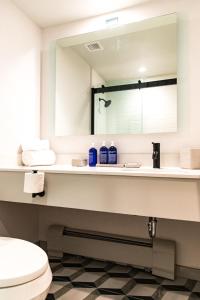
(92, 156)
(112, 154)
(103, 154)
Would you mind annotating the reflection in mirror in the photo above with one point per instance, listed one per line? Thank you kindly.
(117, 81)
(144, 107)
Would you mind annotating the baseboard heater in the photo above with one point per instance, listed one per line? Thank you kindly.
(157, 255)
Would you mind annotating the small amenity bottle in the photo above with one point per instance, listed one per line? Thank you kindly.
(112, 154)
(92, 156)
(103, 154)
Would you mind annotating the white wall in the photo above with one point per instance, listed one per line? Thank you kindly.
(100, 112)
(138, 146)
(19, 221)
(188, 91)
(20, 105)
(19, 75)
(72, 96)
(74, 79)
(19, 78)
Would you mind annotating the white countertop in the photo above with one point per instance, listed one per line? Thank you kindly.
(112, 171)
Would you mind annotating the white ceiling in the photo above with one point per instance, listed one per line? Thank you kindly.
(53, 12)
(123, 56)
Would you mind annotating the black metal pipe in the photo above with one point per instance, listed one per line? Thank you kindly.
(133, 86)
(92, 110)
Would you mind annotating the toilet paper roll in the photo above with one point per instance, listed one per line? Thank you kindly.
(34, 182)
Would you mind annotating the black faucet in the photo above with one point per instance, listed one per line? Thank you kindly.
(156, 155)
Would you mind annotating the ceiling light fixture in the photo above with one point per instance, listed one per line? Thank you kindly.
(142, 69)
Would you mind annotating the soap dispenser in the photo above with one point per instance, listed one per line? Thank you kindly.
(92, 156)
(103, 154)
(112, 154)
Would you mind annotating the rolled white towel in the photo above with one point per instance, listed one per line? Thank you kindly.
(38, 158)
(35, 145)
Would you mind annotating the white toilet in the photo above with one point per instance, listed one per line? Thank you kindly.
(24, 271)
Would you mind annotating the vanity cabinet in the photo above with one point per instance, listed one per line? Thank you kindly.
(132, 194)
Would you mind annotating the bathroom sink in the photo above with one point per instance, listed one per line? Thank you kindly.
(148, 170)
(144, 169)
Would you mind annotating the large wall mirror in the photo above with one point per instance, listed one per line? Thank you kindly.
(117, 81)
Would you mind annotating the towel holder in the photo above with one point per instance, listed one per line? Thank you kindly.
(41, 194)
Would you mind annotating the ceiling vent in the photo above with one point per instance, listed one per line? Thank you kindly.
(94, 46)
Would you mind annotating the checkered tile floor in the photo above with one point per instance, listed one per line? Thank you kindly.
(80, 278)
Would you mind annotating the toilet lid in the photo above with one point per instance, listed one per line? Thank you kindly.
(20, 262)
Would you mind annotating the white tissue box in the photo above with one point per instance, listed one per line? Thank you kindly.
(190, 158)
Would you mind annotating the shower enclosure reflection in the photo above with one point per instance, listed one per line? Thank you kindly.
(135, 108)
